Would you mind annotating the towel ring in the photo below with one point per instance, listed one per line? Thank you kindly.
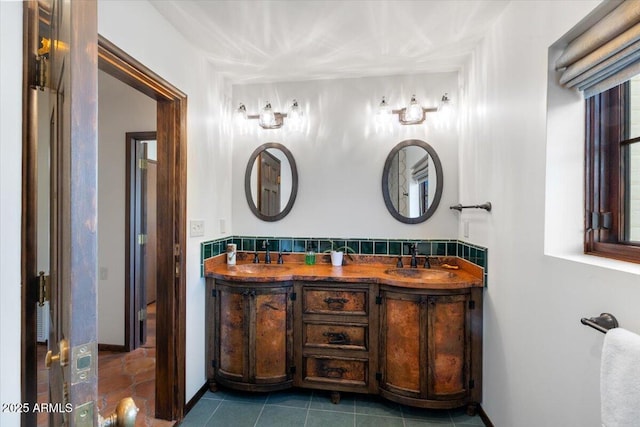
(602, 323)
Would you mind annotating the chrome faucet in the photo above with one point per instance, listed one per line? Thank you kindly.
(267, 255)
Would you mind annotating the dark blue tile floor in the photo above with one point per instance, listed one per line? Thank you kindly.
(301, 408)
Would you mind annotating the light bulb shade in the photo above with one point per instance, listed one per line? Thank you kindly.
(384, 108)
(383, 115)
(413, 113)
(295, 114)
(267, 118)
(241, 113)
(445, 104)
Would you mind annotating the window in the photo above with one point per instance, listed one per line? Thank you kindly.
(612, 178)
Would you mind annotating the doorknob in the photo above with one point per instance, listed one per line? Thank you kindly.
(124, 415)
(62, 357)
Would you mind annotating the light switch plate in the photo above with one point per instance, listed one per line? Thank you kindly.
(196, 228)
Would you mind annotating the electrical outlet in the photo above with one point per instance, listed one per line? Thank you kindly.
(223, 225)
(196, 228)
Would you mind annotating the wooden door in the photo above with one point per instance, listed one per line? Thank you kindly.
(73, 334)
(141, 251)
(151, 263)
(32, 190)
(269, 184)
(140, 242)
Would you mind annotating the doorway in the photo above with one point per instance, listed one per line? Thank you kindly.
(171, 222)
(171, 137)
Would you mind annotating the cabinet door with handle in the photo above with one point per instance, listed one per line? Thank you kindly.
(447, 347)
(424, 348)
(271, 336)
(252, 336)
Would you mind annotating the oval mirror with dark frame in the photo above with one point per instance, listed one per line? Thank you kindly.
(412, 181)
(271, 181)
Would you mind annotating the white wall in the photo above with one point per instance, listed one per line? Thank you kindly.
(541, 366)
(10, 204)
(138, 29)
(121, 109)
(340, 156)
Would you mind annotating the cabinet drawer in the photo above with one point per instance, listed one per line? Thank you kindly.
(326, 335)
(350, 302)
(336, 370)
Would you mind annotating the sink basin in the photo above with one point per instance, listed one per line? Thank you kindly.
(260, 268)
(419, 273)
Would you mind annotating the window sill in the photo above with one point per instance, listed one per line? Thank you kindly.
(599, 261)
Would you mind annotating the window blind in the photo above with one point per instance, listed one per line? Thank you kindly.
(604, 55)
(420, 171)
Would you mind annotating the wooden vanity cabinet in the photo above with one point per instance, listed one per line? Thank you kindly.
(250, 336)
(418, 347)
(335, 339)
(430, 347)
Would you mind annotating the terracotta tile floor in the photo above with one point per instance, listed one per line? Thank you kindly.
(121, 375)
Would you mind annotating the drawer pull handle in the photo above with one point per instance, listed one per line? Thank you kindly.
(330, 372)
(337, 337)
(336, 303)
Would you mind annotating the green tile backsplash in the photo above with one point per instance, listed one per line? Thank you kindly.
(472, 253)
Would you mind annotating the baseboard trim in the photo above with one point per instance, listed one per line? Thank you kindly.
(484, 417)
(196, 397)
(112, 347)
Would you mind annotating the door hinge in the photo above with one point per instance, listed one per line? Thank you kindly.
(472, 305)
(41, 64)
(176, 249)
(378, 376)
(600, 220)
(142, 163)
(43, 288)
(378, 300)
(142, 314)
(142, 239)
(292, 369)
(472, 384)
(293, 296)
(40, 77)
(177, 268)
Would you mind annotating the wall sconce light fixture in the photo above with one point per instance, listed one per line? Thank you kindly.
(412, 114)
(269, 119)
(445, 103)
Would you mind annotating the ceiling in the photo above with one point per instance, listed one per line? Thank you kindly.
(253, 41)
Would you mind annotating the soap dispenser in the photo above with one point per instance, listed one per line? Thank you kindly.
(310, 256)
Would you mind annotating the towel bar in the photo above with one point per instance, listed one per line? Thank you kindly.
(485, 206)
(602, 323)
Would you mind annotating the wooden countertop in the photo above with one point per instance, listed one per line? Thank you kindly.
(380, 270)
